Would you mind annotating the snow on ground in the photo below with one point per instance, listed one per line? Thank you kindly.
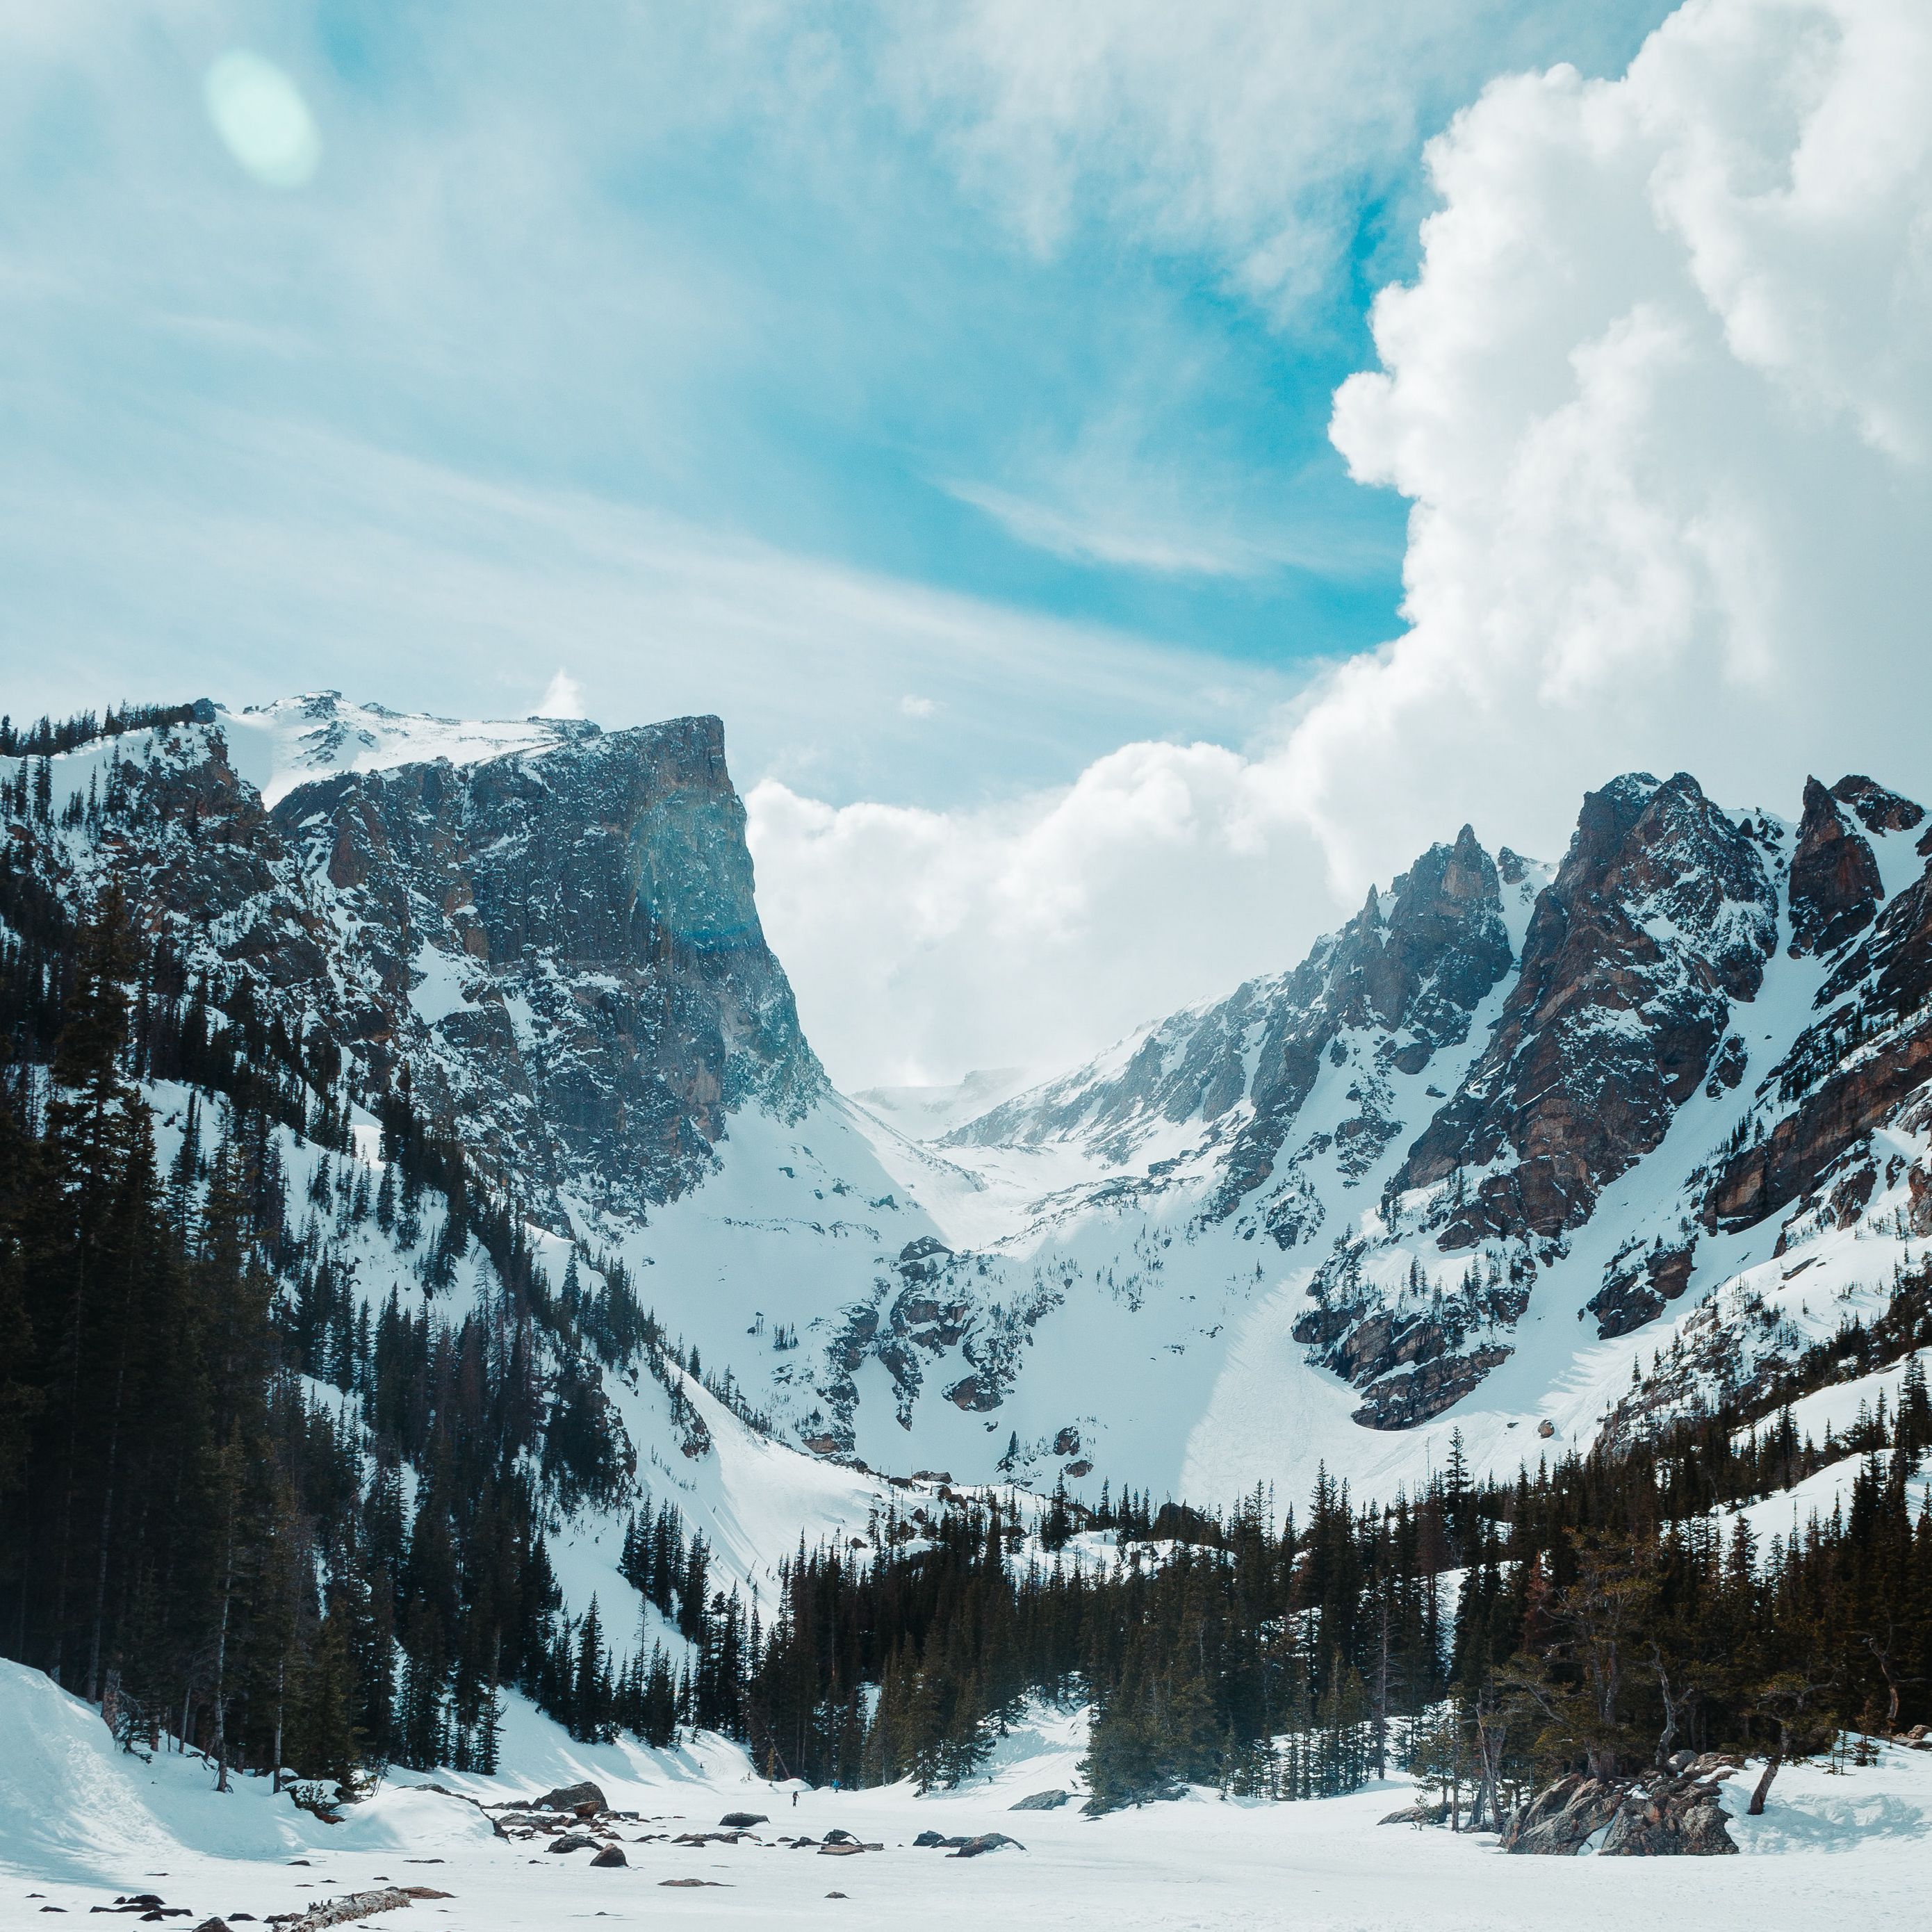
(80, 1824)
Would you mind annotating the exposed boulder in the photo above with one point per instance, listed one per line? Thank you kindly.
(611, 1855)
(1042, 1801)
(987, 1841)
(742, 1821)
(570, 1797)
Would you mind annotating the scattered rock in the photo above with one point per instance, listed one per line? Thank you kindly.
(830, 1851)
(717, 1884)
(574, 1841)
(835, 1895)
(926, 1840)
(611, 1855)
(352, 1906)
(742, 1821)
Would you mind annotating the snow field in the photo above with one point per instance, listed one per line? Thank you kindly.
(80, 1822)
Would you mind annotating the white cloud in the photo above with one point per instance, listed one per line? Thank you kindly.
(910, 706)
(563, 697)
(1253, 132)
(925, 942)
(1085, 536)
(1661, 395)
(335, 562)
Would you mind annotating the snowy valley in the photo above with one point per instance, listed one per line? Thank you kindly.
(464, 1043)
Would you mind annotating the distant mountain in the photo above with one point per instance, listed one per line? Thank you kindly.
(930, 1113)
(1513, 1135)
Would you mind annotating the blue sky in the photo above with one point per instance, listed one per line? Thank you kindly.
(940, 394)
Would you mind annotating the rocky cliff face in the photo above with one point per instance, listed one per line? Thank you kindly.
(1834, 883)
(578, 942)
(1633, 1003)
(1863, 1066)
(1658, 922)
(557, 947)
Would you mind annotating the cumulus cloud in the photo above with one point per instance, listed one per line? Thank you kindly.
(1660, 395)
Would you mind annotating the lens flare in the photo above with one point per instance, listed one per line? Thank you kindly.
(263, 119)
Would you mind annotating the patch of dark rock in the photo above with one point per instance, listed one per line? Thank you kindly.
(742, 1821)
(611, 1855)
(574, 1841)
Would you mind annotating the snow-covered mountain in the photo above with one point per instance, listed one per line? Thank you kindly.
(1515, 1135)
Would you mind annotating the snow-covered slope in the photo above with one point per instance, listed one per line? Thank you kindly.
(277, 747)
(1512, 1133)
(83, 1825)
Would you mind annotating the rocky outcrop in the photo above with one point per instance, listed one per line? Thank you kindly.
(1850, 1073)
(558, 948)
(1878, 810)
(1834, 887)
(1677, 1814)
(1662, 915)
(1636, 1289)
(576, 933)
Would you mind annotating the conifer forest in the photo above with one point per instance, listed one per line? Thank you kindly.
(192, 1537)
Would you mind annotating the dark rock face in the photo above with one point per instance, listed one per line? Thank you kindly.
(586, 917)
(1848, 1074)
(1835, 887)
(1878, 810)
(1661, 916)
(560, 947)
(1635, 1292)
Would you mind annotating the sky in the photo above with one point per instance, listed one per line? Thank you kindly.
(1128, 473)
